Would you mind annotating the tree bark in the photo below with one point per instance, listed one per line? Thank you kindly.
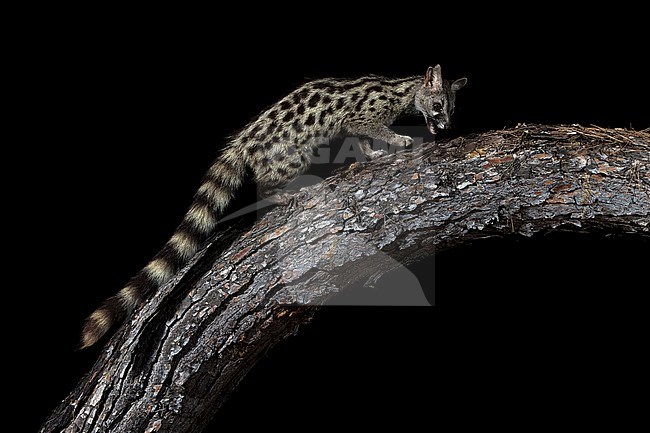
(171, 366)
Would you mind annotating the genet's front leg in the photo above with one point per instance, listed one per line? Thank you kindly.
(381, 132)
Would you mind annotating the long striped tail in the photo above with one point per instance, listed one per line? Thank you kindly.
(219, 184)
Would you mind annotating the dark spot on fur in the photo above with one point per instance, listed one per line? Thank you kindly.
(340, 103)
(310, 120)
(271, 129)
(300, 109)
(327, 99)
(273, 114)
(285, 105)
(288, 116)
(282, 171)
(375, 88)
(265, 162)
(297, 126)
(321, 118)
(268, 144)
(383, 97)
(355, 96)
(295, 164)
(372, 109)
(313, 101)
(372, 102)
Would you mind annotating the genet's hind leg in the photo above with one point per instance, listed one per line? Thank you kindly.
(366, 149)
(278, 171)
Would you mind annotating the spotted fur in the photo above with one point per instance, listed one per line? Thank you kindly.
(277, 147)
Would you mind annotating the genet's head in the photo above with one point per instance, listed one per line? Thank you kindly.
(436, 99)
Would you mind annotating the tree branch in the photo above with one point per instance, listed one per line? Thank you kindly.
(171, 367)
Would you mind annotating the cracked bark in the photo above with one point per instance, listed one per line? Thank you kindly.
(170, 368)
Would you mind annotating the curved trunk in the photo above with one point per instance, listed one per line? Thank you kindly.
(172, 366)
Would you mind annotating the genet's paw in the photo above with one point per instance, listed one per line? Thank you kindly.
(402, 141)
(376, 154)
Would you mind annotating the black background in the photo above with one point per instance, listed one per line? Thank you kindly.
(128, 114)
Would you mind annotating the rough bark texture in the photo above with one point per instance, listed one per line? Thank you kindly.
(171, 367)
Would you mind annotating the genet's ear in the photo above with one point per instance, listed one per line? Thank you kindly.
(458, 84)
(433, 77)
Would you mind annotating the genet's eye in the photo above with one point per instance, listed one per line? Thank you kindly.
(437, 106)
